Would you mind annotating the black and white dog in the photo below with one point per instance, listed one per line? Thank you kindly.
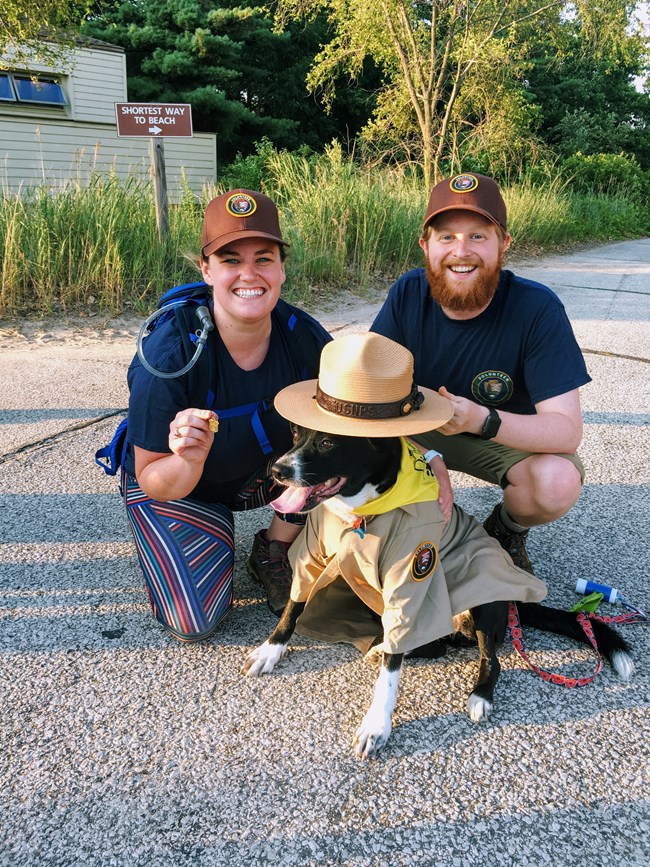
(344, 473)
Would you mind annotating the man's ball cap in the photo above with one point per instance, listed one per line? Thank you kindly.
(239, 214)
(468, 192)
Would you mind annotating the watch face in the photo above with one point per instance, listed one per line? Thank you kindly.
(491, 426)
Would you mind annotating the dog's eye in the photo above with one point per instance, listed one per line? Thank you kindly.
(295, 436)
(326, 443)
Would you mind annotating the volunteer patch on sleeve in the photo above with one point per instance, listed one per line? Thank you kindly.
(424, 561)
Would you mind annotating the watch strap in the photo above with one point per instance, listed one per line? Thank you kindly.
(491, 424)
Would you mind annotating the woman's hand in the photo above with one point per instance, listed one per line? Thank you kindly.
(191, 434)
(163, 476)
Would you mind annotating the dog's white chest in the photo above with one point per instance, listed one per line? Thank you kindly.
(343, 507)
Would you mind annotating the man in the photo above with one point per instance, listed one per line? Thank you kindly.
(501, 348)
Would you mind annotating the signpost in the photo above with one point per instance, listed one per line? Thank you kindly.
(155, 120)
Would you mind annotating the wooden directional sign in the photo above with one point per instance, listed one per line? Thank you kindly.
(154, 119)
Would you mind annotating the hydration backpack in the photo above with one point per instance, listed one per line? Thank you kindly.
(187, 300)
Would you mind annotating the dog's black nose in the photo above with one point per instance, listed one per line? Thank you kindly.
(281, 472)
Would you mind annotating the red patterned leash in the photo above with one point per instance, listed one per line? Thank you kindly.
(584, 621)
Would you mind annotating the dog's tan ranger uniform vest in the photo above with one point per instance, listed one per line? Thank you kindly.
(408, 568)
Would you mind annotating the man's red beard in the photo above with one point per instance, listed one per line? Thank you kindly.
(456, 298)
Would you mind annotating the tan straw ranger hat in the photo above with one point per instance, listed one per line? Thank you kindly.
(364, 388)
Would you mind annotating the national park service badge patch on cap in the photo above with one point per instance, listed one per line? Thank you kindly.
(424, 561)
(463, 183)
(241, 205)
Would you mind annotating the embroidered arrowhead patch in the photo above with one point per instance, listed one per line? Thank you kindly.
(424, 561)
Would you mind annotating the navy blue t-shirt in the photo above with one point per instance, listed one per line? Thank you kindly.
(519, 351)
(236, 452)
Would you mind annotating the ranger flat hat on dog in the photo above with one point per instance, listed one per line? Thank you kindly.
(365, 387)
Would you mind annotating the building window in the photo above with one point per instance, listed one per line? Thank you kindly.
(7, 93)
(15, 87)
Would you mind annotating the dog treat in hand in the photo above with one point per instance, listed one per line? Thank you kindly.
(213, 424)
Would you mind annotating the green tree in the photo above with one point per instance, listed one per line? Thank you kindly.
(431, 53)
(590, 104)
(243, 80)
(39, 29)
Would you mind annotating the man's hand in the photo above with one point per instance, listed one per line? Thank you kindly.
(445, 491)
(468, 417)
(554, 428)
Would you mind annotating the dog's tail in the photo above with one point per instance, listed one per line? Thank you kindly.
(611, 645)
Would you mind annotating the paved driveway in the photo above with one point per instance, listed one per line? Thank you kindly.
(119, 746)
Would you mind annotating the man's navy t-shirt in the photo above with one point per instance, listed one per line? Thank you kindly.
(236, 452)
(519, 351)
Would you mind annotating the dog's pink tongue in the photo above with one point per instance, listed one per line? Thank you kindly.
(292, 500)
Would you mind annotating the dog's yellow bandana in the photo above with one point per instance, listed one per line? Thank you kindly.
(415, 484)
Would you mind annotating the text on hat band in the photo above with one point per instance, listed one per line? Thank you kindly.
(352, 409)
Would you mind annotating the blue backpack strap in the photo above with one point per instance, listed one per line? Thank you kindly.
(196, 295)
(253, 410)
(292, 335)
(111, 457)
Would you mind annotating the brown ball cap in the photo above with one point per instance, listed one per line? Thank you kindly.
(468, 192)
(239, 214)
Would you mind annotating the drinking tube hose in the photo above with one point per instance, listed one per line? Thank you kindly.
(207, 326)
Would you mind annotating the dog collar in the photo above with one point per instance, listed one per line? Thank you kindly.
(352, 409)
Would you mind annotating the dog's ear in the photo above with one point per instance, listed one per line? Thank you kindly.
(387, 453)
(383, 445)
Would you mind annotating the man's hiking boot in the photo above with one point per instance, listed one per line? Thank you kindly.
(269, 566)
(511, 541)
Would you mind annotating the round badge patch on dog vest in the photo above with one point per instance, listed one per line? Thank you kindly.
(241, 205)
(492, 386)
(424, 561)
(463, 183)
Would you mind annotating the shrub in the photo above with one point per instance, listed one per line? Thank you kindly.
(608, 174)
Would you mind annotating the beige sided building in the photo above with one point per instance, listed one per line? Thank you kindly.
(58, 124)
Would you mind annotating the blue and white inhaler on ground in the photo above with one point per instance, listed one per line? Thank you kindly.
(610, 594)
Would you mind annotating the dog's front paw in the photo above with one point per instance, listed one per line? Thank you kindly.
(263, 659)
(478, 708)
(375, 654)
(372, 734)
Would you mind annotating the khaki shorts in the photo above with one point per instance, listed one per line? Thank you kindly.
(482, 459)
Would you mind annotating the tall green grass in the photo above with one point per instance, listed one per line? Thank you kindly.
(96, 247)
(345, 224)
(84, 245)
(551, 216)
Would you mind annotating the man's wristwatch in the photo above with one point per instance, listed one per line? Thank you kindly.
(491, 425)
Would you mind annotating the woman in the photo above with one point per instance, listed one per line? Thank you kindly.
(182, 478)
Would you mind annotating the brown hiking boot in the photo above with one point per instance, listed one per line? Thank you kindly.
(269, 566)
(512, 542)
